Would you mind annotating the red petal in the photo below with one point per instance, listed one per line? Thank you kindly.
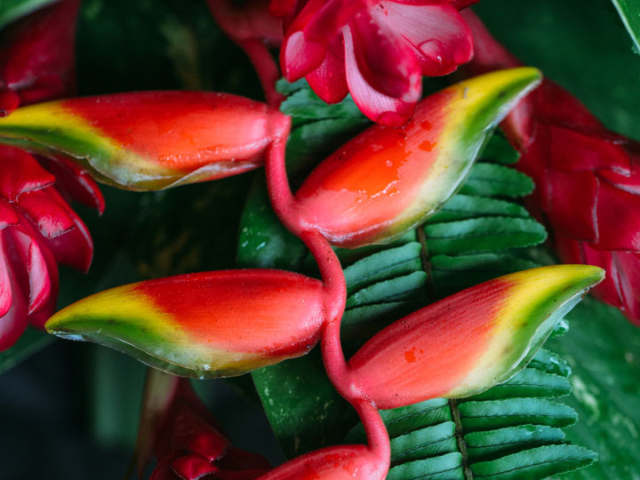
(556, 105)
(629, 270)
(236, 459)
(386, 62)
(438, 32)
(193, 433)
(572, 150)
(9, 101)
(378, 107)
(48, 211)
(629, 182)
(20, 173)
(14, 322)
(329, 80)
(192, 467)
(75, 247)
(609, 290)
(572, 204)
(74, 181)
(6, 294)
(32, 259)
(618, 219)
(8, 215)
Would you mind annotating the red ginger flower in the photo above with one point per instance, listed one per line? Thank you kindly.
(189, 445)
(377, 50)
(38, 229)
(588, 178)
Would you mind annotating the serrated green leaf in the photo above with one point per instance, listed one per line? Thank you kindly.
(535, 464)
(483, 234)
(463, 207)
(504, 441)
(444, 467)
(488, 179)
(515, 411)
(530, 382)
(424, 443)
(407, 287)
(550, 362)
(385, 265)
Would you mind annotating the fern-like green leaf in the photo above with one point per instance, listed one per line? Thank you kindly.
(513, 430)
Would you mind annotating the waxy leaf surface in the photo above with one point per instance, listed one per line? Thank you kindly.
(469, 342)
(202, 325)
(148, 140)
(388, 180)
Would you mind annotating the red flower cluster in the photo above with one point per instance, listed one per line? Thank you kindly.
(189, 444)
(588, 178)
(38, 229)
(377, 50)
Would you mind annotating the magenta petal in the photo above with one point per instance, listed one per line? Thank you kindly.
(48, 211)
(14, 322)
(386, 62)
(573, 151)
(378, 107)
(555, 105)
(32, 259)
(628, 266)
(618, 219)
(609, 290)
(192, 467)
(6, 294)
(572, 204)
(439, 34)
(20, 173)
(74, 248)
(8, 216)
(74, 182)
(329, 81)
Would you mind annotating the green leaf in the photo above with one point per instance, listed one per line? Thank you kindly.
(488, 179)
(629, 11)
(473, 239)
(536, 463)
(11, 10)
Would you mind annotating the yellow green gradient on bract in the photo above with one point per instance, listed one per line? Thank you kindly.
(202, 325)
(147, 140)
(471, 341)
(388, 180)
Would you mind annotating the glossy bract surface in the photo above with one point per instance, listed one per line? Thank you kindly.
(388, 180)
(202, 325)
(148, 140)
(349, 462)
(471, 341)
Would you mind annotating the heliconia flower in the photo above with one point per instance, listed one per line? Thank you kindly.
(346, 462)
(38, 229)
(470, 341)
(149, 140)
(37, 60)
(387, 180)
(205, 324)
(178, 429)
(378, 50)
(587, 178)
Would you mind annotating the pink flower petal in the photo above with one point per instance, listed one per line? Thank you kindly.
(378, 107)
(20, 173)
(14, 322)
(438, 33)
(618, 219)
(329, 81)
(385, 60)
(6, 294)
(192, 467)
(572, 204)
(48, 211)
(8, 216)
(628, 266)
(609, 290)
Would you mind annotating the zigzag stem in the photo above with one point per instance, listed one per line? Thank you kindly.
(335, 296)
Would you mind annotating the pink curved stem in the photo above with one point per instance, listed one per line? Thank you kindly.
(266, 68)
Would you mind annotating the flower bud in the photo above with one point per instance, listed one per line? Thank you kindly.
(388, 180)
(471, 341)
(148, 140)
(202, 325)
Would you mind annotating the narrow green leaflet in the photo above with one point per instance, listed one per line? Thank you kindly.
(629, 11)
(480, 234)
